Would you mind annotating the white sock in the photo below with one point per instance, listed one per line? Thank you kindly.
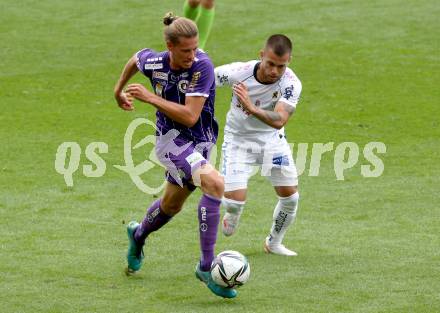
(232, 216)
(283, 215)
(233, 206)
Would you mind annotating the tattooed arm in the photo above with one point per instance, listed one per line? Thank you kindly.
(276, 119)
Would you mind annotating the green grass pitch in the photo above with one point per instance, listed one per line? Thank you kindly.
(370, 72)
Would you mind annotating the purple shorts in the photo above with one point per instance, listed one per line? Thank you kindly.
(182, 158)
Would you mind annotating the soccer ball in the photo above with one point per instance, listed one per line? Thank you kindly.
(230, 269)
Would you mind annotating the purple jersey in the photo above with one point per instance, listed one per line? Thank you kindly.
(172, 85)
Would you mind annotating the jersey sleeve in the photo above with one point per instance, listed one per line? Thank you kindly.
(290, 90)
(143, 58)
(227, 75)
(202, 79)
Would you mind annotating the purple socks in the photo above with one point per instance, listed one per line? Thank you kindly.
(154, 219)
(209, 217)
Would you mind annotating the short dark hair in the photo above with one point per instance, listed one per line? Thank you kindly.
(279, 44)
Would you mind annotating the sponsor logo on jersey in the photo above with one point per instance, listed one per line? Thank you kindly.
(195, 78)
(224, 79)
(160, 75)
(174, 77)
(158, 89)
(153, 66)
(183, 85)
(288, 92)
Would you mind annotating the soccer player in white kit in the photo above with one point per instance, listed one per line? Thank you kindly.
(265, 95)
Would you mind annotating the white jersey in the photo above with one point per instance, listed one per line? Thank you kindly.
(287, 89)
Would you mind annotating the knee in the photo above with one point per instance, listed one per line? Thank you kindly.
(286, 192)
(214, 185)
(218, 186)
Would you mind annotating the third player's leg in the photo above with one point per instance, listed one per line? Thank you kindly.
(205, 20)
(191, 9)
(207, 4)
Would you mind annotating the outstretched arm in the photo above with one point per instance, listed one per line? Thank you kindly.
(276, 119)
(124, 100)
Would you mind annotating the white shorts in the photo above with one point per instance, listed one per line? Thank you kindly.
(243, 157)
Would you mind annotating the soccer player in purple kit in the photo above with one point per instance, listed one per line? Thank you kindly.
(184, 92)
